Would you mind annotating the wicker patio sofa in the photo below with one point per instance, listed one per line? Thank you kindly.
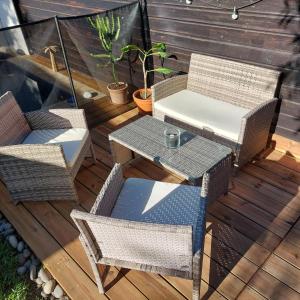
(41, 151)
(229, 102)
(149, 225)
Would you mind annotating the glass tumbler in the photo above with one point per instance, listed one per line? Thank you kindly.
(172, 138)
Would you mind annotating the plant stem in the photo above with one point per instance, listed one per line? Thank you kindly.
(144, 95)
(114, 74)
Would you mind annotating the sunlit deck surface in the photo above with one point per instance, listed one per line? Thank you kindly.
(99, 109)
(252, 245)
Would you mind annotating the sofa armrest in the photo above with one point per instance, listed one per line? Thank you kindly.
(57, 119)
(255, 129)
(168, 87)
(36, 173)
(109, 193)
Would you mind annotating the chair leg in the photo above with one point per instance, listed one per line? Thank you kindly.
(93, 153)
(94, 266)
(196, 288)
(197, 271)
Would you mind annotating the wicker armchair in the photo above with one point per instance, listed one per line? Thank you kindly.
(149, 225)
(42, 151)
(229, 102)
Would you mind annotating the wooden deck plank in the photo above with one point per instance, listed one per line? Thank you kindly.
(283, 271)
(258, 215)
(294, 237)
(265, 202)
(246, 226)
(249, 293)
(285, 160)
(273, 178)
(274, 167)
(272, 288)
(278, 195)
(289, 252)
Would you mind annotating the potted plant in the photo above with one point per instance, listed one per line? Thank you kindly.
(142, 97)
(109, 32)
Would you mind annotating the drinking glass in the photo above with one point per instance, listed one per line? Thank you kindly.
(172, 138)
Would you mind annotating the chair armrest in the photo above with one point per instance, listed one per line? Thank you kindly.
(56, 119)
(36, 172)
(168, 87)
(109, 193)
(255, 129)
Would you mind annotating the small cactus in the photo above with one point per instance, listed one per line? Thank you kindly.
(108, 29)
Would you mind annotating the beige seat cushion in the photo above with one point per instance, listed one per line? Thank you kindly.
(201, 111)
(161, 203)
(13, 125)
(72, 140)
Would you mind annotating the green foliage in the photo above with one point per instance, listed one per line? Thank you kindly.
(157, 49)
(108, 29)
(12, 286)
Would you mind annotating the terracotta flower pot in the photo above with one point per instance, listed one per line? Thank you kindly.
(118, 93)
(144, 105)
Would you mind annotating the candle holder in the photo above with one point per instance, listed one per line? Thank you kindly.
(172, 138)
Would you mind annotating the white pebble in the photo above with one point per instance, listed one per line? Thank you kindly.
(39, 282)
(13, 241)
(49, 286)
(58, 292)
(44, 275)
(20, 246)
(87, 95)
(44, 295)
(27, 264)
(26, 253)
(33, 273)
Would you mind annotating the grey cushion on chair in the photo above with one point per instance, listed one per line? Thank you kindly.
(14, 126)
(162, 203)
(72, 140)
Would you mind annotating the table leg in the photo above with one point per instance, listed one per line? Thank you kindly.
(120, 153)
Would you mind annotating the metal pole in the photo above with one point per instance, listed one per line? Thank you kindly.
(66, 60)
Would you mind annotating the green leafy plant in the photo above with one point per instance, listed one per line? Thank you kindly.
(108, 29)
(157, 49)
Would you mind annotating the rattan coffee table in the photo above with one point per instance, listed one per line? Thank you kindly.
(145, 136)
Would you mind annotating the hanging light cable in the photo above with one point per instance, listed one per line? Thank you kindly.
(236, 9)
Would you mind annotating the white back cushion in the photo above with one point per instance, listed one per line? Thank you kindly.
(202, 111)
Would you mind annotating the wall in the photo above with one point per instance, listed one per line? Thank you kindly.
(264, 35)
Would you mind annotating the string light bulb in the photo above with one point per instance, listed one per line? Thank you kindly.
(235, 14)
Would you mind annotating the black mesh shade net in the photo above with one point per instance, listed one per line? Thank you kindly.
(31, 66)
(34, 68)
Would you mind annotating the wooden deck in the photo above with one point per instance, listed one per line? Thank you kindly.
(252, 245)
(100, 108)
